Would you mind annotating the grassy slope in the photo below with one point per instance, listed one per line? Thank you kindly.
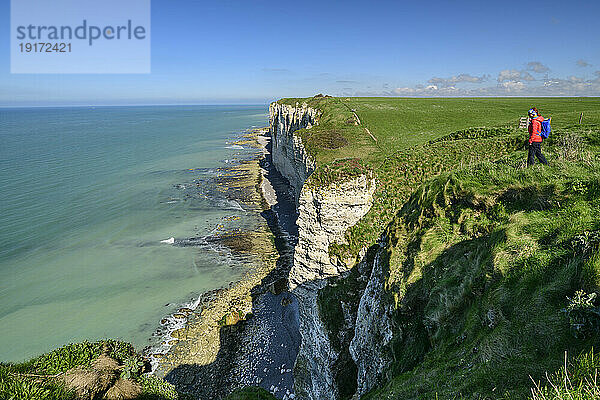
(481, 259)
(16, 385)
(398, 123)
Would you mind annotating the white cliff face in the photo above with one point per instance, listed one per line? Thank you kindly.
(289, 156)
(313, 377)
(325, 214)
(373, 331)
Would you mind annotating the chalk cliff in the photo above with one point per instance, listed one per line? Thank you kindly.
(326, 212)
(289, 155)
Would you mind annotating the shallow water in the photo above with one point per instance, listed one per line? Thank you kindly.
(87, 196)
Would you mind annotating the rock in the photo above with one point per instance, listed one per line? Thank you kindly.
(289, 156)
(286, 301)
(373, 331)
(188, 379)
(232, 318)
(325, 214)
(280, 285)
(179, 333)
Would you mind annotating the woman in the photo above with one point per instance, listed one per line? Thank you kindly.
(535, 138)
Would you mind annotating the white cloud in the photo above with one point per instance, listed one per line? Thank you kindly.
(537, 67)
(514, 75)
(572, 86)
(430, 90)
(583, 63)
(405, 91)
(447, 82)
(511, 82)
(512, 86)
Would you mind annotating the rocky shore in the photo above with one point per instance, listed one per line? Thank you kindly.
(247, 333)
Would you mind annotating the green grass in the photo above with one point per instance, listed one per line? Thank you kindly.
(16, 385)
(576, 380)
(420, 138)
(401, 123)
(485, 257)
(482, 253)
(398, 123)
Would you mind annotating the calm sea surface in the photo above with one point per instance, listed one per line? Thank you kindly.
(86, 196)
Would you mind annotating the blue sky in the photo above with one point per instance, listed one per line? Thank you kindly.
(257, 51)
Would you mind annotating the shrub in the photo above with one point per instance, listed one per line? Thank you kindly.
(584, 316)
(133, 368)
(157, 388)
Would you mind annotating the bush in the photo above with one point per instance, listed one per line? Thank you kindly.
(584, 316)
(157, 388)
(18, 388)
(74, 354)
(40, 378)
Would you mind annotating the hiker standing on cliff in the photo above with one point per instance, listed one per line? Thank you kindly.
(535, 138)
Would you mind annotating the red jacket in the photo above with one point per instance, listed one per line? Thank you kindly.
(535, 128)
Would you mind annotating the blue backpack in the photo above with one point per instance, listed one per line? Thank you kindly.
(546, 129)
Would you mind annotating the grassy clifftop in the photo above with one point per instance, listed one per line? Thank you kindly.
(401, 123)
(491, 267)
(404, 141)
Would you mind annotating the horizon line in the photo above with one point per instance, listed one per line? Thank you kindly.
(130, 105)
(268, 102)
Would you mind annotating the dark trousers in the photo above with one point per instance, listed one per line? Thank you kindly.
(535, 150)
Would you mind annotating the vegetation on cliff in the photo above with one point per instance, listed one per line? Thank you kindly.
(491, 268)
(480, 265)
(100, 370)
(407, 140)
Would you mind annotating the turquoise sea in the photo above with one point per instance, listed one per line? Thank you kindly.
(87, 194)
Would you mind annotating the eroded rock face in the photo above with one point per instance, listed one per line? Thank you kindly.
(289, 156)
(373, 330)
(325, 214)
